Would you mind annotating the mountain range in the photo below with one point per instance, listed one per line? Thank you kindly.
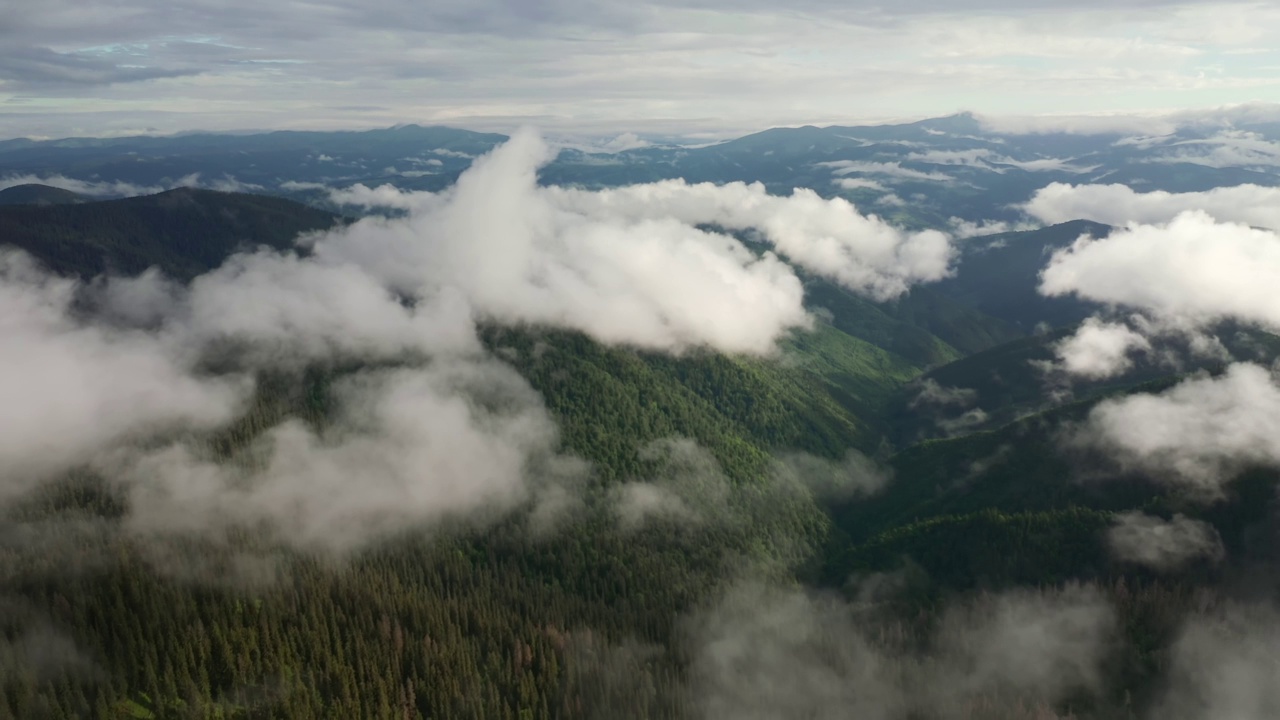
(907, 454)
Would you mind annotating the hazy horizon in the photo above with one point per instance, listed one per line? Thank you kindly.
(654, 67)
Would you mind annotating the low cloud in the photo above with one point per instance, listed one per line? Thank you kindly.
(1224, 665)
(73, 389)
(1198, 434)
(92, 188)
(1045, 164)
(687, 488)
(860, 184)
(764, 652)
(976, 157)
(44, 654)
(1120, 205)
(1229, 148)
(962, 228)
(893, 170)
(853, 476)
(963, 423)
(407, 447)
(933, 393)
(828, 237)
(1183, 277)
(382, 196)
(1163, 544)
(103, 189)
(1100, 349)
(288, 310)
(1193, 269)
(444, 433)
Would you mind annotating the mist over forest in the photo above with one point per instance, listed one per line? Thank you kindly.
(643, 361)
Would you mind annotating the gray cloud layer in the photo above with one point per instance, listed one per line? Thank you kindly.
(711, 66)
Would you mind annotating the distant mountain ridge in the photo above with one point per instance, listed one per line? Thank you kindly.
(184, 232)
(36, 194)
(929, 173)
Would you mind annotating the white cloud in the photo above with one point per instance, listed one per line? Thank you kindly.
(962, 228)
(1100, 350)
(1192, 269)
(1120, 205)
(828, 237)
(100, 189)
(986, 159)
(860, 184)
(687, 488)
(1184, 276)
(292, 310)
(226, 183)
(383, 196)
(444, 152)
(453, 440)
(517, 252)
(92, 188)
(853, 476)
(1230, 148)
(73, 389)
(887, 169)
(1045, 165)
(763, 652)
(296, 185)
(1165, 544)
(1198, 434)
(453, 435)
(932, 393)
(634, 248)
(1224, 665)
(625, 141)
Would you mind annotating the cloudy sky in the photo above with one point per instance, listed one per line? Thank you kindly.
(700, 66)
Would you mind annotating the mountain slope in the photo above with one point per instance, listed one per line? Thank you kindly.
(36, 194)
(184, 232)
(999, 275)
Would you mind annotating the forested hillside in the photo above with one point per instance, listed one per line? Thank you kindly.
(34, 194)
(183, 232)
(678, 484)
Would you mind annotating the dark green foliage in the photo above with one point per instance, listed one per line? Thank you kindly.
(183, 232)
(1014, 380)
(33, 194)
(1000, 275)
(988, 549)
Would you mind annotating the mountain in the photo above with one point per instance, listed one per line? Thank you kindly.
(999, 275)
(929, 173)
(610, 404)
(35, 194)
(815, 469)
(429, 157)
(184, 232)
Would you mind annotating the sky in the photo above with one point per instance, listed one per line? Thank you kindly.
(699, 67)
